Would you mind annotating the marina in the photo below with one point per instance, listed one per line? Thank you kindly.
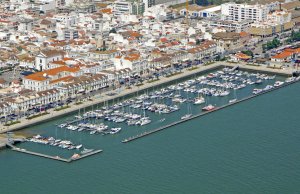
(184, 75)
(204, 113)
(210, 140)
(204, 93)
(155, 109)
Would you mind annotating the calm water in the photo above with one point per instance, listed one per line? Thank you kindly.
(252, 147)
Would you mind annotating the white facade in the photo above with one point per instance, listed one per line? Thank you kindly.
(239, 12)
(42, 60)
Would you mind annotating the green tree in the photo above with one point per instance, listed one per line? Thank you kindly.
(248, 52)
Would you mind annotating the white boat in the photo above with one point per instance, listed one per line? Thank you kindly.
(145, 122)
(162, 120)
(278, 83)
(79, 146)
(199, 100)
(85, 151)
(186, 116)
(208, 108)
(232, 100)
(93, 132)
(115, 130)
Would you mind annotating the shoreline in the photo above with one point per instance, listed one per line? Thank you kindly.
(127, 92)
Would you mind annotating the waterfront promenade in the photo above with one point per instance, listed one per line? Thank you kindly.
(134, 89)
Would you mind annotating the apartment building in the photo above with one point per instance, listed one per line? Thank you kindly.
(121, 7)
(239, 12)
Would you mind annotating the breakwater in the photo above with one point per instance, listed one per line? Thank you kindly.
(57, 158)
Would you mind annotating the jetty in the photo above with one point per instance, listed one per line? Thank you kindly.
(57, 158)
(144, 134)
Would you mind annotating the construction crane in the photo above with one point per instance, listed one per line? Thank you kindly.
(187, 11)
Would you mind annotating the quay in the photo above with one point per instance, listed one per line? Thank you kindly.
(57, 158)
(127, 92)
(127, 140)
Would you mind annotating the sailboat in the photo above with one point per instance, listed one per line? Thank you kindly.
(144, 120)
(188, 115)
(199, 100)
(234, 99)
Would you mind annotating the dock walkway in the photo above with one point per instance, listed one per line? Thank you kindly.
(14, 148)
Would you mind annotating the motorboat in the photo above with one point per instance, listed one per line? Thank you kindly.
(208, 108)
(85, 151)
(115, 130)
(233, 100)
(186, 116)
(199, 100)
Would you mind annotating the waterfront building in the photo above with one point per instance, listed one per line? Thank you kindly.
(48, 79)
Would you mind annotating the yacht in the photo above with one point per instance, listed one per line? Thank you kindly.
(186, 116)
(199, 100)
(145, 121)
(278, 83)
(208, 108)
(232, 100)
(85, 151)
(115, 130)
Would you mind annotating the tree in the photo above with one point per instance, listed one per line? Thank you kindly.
(248, 52)
(113, 30)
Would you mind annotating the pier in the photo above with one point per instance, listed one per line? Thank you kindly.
(144, 134)
(57, 158)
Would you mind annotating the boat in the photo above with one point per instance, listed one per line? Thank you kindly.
(93, 132)
(145, 122)
(208, 108)
(186, 116)
(85, 151)
(75, 156)
(278, 83)
(232, 100)
(258, 81)
(115, 130)
(79, 146)
(199, 100)
(162, 120)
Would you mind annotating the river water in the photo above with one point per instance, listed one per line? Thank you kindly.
(251, 147)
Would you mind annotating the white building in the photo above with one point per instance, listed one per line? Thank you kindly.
(121, 7)
(43, 59)
(239, 12)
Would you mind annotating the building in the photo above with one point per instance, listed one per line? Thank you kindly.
(239, 12)
(228, 41)
(70, 34)
(48, 79)
(277, 22)
(231, 26)
(103, 55)
(285, 56)
(43, 59)
(198, 11)
(25, 25)
(121, 7)
(206, 49)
